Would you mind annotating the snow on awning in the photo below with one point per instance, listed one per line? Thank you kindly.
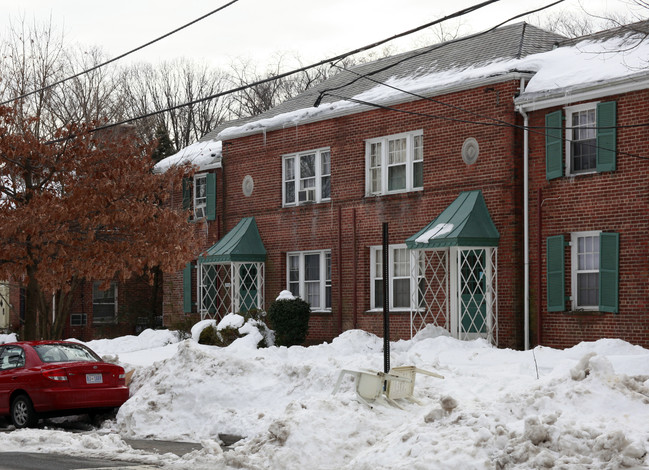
(241, 244)
(465, 222)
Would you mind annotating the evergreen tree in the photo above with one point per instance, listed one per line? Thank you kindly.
(165, 147)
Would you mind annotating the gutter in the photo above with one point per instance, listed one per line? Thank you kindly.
(560, 97)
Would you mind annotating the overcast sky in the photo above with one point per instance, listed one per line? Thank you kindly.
(258, 29)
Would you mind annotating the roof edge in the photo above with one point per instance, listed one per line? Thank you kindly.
(361, 108)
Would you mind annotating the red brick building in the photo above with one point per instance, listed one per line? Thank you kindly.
(589, 193)
(433, 143)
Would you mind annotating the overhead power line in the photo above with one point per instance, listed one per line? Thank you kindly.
(51, 85)
(337, 58)
(428, 50)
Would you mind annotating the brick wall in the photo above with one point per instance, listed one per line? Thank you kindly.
(612, 201)
(352, 222)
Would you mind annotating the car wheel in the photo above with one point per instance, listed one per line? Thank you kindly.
(22, 412)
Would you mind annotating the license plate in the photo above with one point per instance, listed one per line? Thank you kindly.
(94, 378)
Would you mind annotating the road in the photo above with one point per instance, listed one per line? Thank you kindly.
(49, 461)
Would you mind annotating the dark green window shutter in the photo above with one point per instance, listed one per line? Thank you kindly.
(187, 194)
(609, 271)
(187, 288)
(556, 274)
(210, 183)
(606, 138)
(554, 145)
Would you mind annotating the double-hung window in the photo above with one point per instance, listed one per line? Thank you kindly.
(395, 163)
(590, 140)
(306, 177)
(585, 270)
(200, 196)
(104, 303)
(581, 135)
(594, 272)
(308, 276)
(399, 275)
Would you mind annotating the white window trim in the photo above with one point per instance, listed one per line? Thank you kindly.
(199, 210)
(574, 247)
(323, 276)
(384, 163)
(569, 111)
(318, 177)
(373, 251)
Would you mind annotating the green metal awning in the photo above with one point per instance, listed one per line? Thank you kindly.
(465, 222)
(241, 244)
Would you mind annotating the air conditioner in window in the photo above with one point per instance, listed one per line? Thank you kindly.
(199, 212)
(306, 195)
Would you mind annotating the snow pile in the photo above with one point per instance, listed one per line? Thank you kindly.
(583, 407)
(9, 338)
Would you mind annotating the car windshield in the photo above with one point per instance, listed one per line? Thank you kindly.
(65, 353)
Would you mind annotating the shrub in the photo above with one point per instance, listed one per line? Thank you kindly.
(290, 320)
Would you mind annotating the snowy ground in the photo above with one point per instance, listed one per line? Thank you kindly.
(584, 407)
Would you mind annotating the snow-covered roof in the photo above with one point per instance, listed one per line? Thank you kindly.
(594, 62)
(556, 68)
(458, 64)
(204, 154)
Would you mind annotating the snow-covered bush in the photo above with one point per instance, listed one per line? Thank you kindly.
(289, 318)
(235, 326)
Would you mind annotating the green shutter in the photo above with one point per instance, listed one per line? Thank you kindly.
(211, 196)
(187, 288)
(187, 194)
(609, 256)
(554, 145)
(606, 136)
(556, 285)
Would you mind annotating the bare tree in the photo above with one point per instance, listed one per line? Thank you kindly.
(148, 90)
(31, 60)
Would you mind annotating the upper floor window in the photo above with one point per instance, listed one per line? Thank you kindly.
(394, 163)
(581, 153)
(306, 177)
(200, 195)
(590, 140)
(309, 277)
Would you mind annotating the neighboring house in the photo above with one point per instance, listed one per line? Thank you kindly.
(589, 189)
(296, 198)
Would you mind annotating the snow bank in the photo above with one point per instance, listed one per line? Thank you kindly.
(583, 407)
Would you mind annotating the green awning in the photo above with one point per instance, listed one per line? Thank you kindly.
(465, 222)
(241, 244)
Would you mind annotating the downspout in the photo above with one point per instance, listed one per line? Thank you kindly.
(355, 273)
(526, 223)
(340, 271)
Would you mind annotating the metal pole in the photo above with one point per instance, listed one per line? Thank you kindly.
(386, 301)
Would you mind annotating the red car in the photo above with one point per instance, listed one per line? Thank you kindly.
(55, 378)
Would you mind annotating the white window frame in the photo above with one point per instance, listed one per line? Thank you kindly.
(375, 252)
(412, 158)
(312, 194)
(569, 111)
(199, 203)
(324, 276)
(575, 271)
